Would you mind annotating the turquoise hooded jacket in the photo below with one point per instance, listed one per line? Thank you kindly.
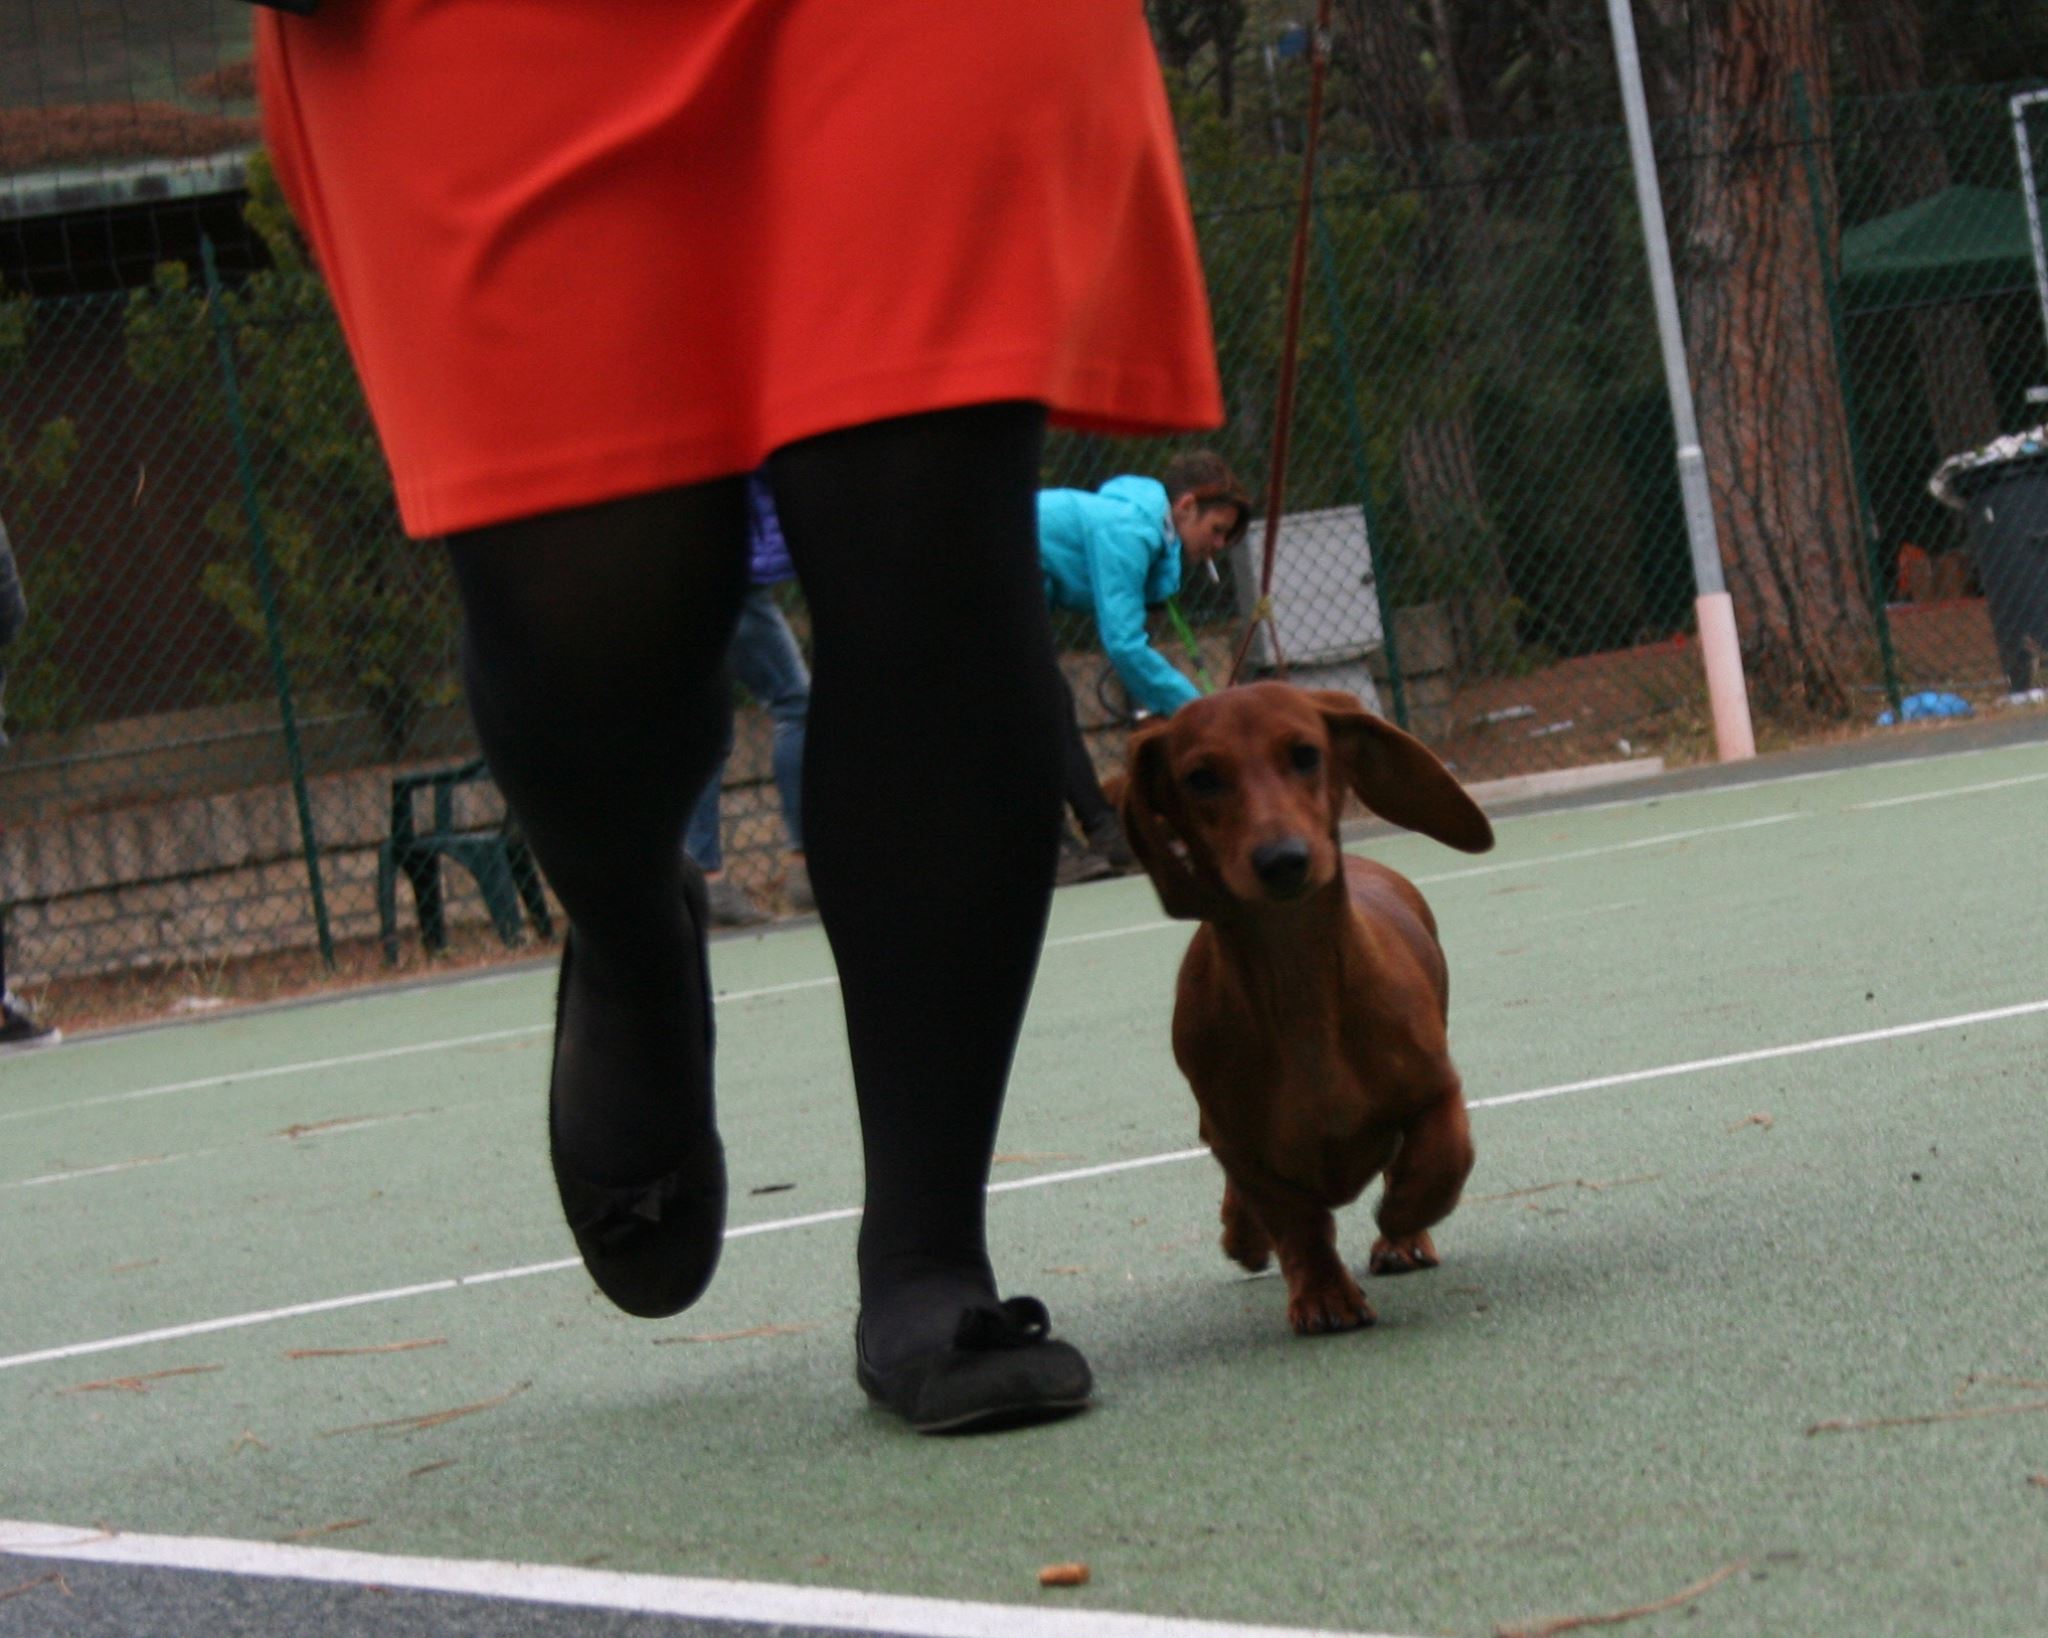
(1110, 554)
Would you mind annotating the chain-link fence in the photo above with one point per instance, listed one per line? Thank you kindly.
(236, 668)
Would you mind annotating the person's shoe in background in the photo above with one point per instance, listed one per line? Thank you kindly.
(1078, 863)
(1107, 842)
(19, 1029)
(796, 886)
(731, 904)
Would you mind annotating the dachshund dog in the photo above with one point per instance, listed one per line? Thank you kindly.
(1310, 1019)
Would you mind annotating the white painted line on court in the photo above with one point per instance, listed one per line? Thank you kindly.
(306, 1066)
(1044, 1179)
(1115, 932)
(1634, 1077)
(1952, 790)
(1664, 840)
(1771, 781)
(754, 1603)
(94, 1171)
(731, 997)
(1800, 1049)
(294, 1136)
(238, 1322)
(838, 1214)
(1614, 909)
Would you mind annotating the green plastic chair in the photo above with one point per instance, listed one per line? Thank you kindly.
(498, 858)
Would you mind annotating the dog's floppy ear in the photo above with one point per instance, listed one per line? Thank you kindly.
(1398, 777)
(1147, 801)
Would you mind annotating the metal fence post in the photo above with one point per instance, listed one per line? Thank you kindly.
(1734, 736)
(266, 591)
(1376, 543)
(2030, 190)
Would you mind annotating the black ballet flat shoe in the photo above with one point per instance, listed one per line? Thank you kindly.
(651, 1247)
(1002, 1370)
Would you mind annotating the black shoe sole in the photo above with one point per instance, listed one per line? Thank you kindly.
(953, 1390)
(651, 1247)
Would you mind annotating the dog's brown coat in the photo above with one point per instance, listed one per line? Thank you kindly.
(1310, 1024)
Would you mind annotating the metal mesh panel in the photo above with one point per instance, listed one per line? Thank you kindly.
(231, 648)
(232, 652)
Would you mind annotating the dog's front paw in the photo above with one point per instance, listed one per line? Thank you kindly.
(1336, 1305)
(1402, 1256)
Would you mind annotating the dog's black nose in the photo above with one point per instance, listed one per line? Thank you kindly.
(1282, 866)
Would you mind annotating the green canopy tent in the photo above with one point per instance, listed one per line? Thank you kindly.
(1955, 245)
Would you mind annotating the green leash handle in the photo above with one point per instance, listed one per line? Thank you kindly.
(1187, 637)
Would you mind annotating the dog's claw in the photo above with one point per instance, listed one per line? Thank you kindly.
(1403, 1256)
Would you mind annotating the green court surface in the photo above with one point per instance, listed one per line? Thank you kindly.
(1753, 1270)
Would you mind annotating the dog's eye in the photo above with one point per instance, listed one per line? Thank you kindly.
(1306, 758)
(1201, 782)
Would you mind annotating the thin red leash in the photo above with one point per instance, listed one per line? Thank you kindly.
(1290, 348)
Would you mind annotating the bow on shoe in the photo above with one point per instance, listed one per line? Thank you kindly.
(610, 1216)
(1017, 1322)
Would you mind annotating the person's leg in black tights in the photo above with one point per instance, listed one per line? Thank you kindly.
(593, 650)
(932, 783)
(1084, 792)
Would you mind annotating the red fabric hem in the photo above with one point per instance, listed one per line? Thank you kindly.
(1118, 402)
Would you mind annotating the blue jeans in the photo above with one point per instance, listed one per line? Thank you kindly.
(765, 660)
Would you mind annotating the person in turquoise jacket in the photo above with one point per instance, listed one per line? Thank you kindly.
(1114, 553)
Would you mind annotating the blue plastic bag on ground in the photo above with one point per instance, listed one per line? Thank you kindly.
(1918, 706)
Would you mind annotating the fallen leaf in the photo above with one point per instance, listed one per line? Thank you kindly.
(738, 1336)
(431, 1467)
(372, 1348)
(2039, 1480)
(308, 1128)
(1618, 1183)
(1984, 1379)
(1068, 1268)
(1849, 1424)
(243, 1440)
(1614, 1618)
(773, 1188)
(312, 1530)
(138, 1384)
(432, 1419)
(1516, 1194)
(1764, 1121)
(1063, 1575)
(1565, 1183)
(57, 1576)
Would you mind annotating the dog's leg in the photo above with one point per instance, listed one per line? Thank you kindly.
(1321, 1294)
(1245, 1240)
(1423, 1184)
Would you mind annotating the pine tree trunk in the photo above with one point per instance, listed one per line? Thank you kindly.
(1770, 404)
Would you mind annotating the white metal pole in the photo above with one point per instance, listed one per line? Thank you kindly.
(1720, 647)
(2020, 105)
